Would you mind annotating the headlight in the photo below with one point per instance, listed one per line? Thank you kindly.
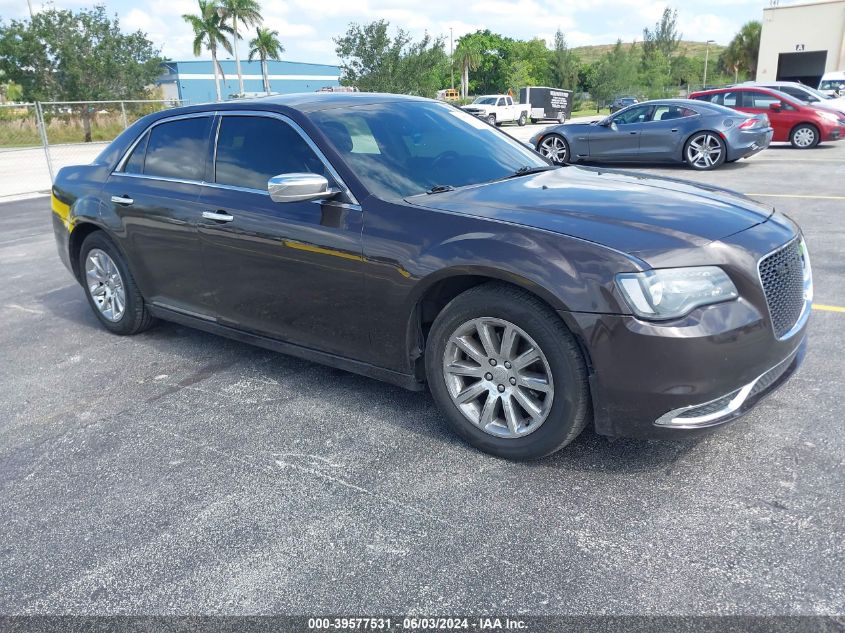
(670, 293)
(830, 116)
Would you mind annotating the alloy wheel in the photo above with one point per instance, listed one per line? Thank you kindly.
(804, 137)
(704, 151)
(554, 148)
(498, 377)
(105, 284)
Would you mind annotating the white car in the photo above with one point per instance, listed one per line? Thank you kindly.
(803, 93)
(497, 109)
(833, 83)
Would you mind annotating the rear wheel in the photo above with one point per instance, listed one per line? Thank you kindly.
(804, 136)
(561, 117)
(705, 150)
(523, 119)
(507, 373)
(110, 288)
(555, 148)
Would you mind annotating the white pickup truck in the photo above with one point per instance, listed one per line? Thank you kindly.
(497, 109)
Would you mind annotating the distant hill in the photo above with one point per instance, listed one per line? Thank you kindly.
(589, 54)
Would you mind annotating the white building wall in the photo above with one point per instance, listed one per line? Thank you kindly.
(802, 28)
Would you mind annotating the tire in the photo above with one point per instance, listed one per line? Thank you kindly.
(561, 406)
(533, 121)
(523, 119)
(561, 118)
(804, 136)
(491, 119)
(555, 148)
(104, 274)
(704, 151)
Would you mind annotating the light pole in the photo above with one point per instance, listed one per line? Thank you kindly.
(29, 4)
(451, 59)
(706, 58)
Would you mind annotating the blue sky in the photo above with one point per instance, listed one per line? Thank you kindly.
(307, 26)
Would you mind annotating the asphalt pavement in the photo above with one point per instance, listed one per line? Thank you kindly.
(178, 472)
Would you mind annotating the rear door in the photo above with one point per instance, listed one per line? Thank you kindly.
(621, 139)
(293, 270)
(155, 194)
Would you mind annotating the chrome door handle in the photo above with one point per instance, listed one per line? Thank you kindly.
(217, 216)
(122, 200)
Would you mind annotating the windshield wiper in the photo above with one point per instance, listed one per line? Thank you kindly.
(440, 189)
(525, 170)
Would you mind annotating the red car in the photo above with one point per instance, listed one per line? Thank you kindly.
(801, 124)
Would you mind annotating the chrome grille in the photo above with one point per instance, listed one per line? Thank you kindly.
(782, 276)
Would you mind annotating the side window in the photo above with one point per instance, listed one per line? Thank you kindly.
(633, 115)
(500, 102)
(667, 113)
(178, 149)
(508, 101)
(761, 100)
(135, 164)
(253, 149)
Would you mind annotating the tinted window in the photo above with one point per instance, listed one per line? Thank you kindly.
(405, 148)
(760, 100)
(178, 149)
(667, 113)
(251, 150)
(633, 115)
(135, 164)
(728, 99)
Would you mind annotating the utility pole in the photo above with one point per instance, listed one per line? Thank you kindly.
(451, 58)
(706, 57)
(29, 4)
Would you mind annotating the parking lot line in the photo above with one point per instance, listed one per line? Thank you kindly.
(826, 308)
(795, 195)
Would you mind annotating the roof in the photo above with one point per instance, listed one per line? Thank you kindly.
(313, 101)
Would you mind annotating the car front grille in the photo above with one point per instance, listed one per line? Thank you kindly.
(782, 276)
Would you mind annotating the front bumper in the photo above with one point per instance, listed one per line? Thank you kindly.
(665, 379)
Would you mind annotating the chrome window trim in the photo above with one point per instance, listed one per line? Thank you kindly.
(176, 117)
(118, 170)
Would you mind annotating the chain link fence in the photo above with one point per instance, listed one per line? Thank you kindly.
(38, 139)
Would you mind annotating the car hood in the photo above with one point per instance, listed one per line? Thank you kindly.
(640, 215)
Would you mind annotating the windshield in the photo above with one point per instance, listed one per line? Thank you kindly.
(486, 100)
(832, 84)
(406, 148)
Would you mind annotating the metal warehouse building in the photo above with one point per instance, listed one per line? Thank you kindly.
(193, 81)
(801, 42)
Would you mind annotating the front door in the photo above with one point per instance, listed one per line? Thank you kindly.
(291, 270)
(155, 193)
(620, 140)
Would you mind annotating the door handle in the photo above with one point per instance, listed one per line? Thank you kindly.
(674, 129)
(124, 200)
(633, 132)
(217, 216)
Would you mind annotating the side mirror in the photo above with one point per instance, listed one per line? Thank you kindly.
(299, 188)
(776, 106)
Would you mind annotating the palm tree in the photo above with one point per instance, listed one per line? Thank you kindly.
(743, 49)
(266, 45)
(249, 14)
(210, 31)
(468, 55)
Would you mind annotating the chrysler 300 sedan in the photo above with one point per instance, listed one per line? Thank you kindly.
(409, 241)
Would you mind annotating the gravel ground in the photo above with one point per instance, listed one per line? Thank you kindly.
(177, 472)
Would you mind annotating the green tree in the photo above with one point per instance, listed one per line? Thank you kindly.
(374, 61)
(664, 39)
(210, 31)
(563, 64)
(468, 55)
(742, 52)
(614, 73)
(248, 13)
(265, 45)
(61, 55)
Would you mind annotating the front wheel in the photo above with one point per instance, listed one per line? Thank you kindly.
(507, 373)
(804, 136)
(704, 151)
(491, 119)
(523, 119)
(110, 288)
(555, 148)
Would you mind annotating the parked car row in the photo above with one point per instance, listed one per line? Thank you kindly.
(710, 128)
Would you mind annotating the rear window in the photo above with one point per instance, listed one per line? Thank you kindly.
(178, 149)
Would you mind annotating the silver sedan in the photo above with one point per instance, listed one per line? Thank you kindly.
(702, 135)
